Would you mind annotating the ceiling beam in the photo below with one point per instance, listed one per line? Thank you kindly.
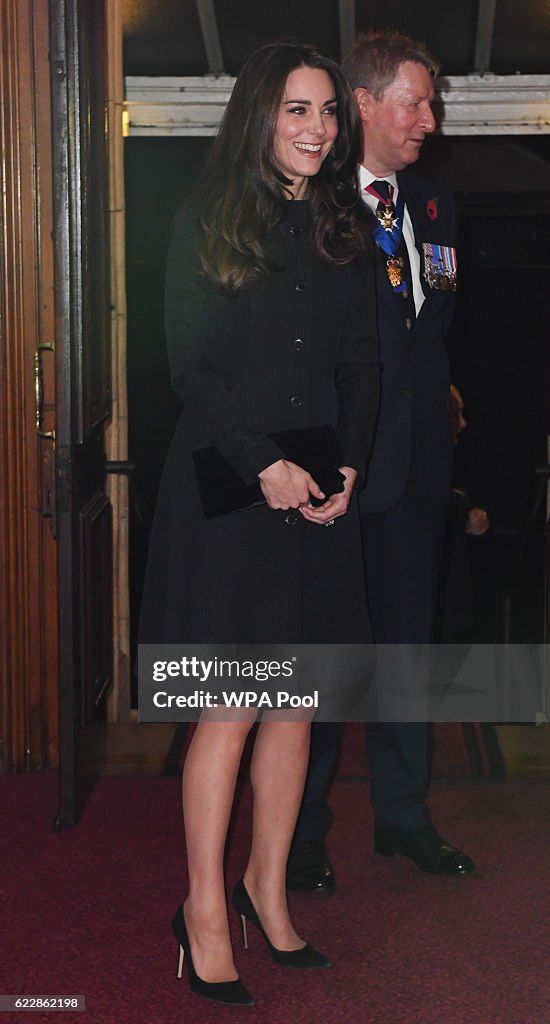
(467, 105)
(484, 35)
(348, 29)
(210, 36)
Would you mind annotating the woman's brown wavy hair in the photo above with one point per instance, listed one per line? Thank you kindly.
(244, 191)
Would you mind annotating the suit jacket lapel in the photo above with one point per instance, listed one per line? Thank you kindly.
(420, 222)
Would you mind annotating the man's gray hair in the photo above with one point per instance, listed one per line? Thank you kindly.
(375, 58)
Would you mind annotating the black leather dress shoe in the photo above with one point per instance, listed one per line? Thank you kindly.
(309, 869)
(428, 851)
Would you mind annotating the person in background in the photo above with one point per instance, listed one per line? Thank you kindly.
(456, 613)
(477, 520)
(271, 327)
(456, 617)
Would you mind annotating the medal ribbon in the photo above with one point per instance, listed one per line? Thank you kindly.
(390, 240)
(440, 261)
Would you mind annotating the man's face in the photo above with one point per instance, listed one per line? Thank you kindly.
(394, 127)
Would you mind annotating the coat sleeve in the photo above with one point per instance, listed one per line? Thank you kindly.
(190, 301)
(358, 371)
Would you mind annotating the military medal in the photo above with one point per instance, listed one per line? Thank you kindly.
(394, 269)
(386, 214)
(440, 270)
(389, 234)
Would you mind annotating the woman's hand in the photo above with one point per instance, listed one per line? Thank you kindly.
(286, 485)
(336, 505)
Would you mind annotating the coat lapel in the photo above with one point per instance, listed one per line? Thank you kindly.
(415, 206)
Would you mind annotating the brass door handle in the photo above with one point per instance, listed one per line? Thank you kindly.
(48, 435)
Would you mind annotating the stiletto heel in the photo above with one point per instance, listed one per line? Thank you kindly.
(230, 993)
(180, 962)
(244, 935)
(304, 957)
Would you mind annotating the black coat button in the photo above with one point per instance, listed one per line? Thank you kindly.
(291, 519)
(408, 323)
(301, 286)
(295, 231)
(298, 344)
(405, 393)
(295, 401)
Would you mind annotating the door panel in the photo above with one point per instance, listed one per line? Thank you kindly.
(94, 392)
(83, 511)
(96, 531)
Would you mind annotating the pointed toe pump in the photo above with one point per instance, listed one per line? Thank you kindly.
(230, 993)
(304, 957)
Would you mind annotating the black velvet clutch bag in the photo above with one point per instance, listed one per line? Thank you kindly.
(222, 490)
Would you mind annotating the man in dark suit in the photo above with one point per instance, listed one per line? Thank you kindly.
(409, 479)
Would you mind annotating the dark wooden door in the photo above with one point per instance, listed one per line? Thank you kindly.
(83, 511)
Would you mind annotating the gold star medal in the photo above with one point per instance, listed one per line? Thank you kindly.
(386, 216)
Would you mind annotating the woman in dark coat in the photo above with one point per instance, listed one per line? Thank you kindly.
(270, 327)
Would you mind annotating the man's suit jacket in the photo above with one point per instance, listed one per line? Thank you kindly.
(414, 402)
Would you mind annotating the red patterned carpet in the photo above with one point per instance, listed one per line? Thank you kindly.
(87, 911)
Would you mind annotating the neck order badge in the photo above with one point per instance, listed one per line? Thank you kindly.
(389, 234)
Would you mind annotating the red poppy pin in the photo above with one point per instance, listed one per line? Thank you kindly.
(431, 209)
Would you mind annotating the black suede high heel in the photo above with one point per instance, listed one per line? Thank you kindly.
(304, 957)
(230, 993)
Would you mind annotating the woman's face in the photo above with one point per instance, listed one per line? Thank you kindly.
(306, 126)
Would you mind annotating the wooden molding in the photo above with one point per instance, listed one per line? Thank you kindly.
(28, 623)
(116, 436)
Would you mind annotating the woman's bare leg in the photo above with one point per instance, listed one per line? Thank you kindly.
(209, 780)
(278, 771)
